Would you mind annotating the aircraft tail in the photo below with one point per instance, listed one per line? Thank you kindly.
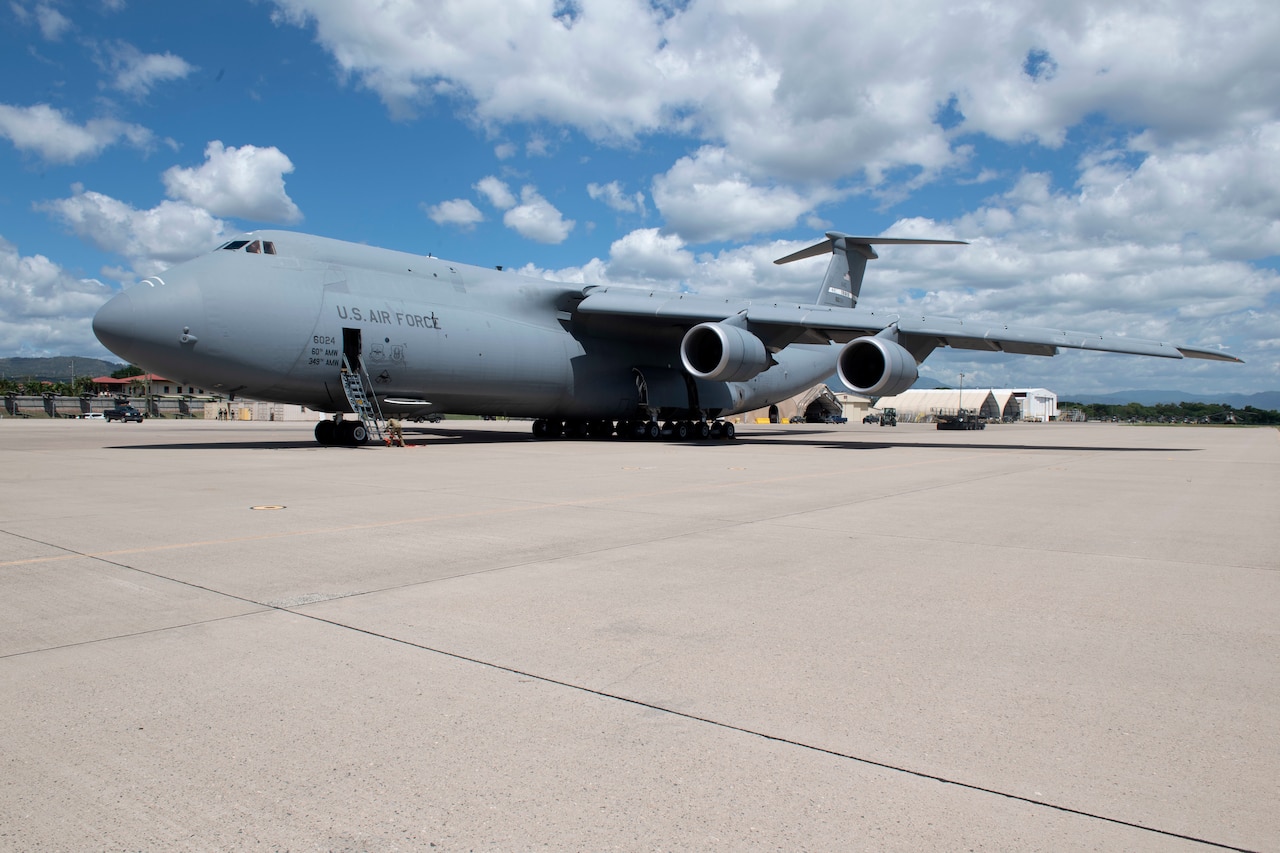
(849, 255)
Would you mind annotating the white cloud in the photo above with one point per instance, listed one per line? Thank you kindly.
(532, 217)
(43, 309)
(799, 93)
(458, 211)
(711, 196)
(53, 24)
(47, 132)
(152, 240)
(517, 61)
(245, 182)
(497, 192)
(613, 195)
(137, 73)
(537, 146)
(649, 256)
(537, 219)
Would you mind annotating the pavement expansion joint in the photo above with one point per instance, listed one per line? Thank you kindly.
(920, 774)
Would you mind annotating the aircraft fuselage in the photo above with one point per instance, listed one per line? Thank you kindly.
(434, 336)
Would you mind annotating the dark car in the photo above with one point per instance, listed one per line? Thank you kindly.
(123, 413)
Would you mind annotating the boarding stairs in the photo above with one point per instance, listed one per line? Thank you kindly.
(355, 382)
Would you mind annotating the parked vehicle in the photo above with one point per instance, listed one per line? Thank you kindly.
(962, 419)
(123, 414)
(889, 418)
(93, 416)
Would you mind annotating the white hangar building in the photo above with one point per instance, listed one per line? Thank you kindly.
(1003, 404)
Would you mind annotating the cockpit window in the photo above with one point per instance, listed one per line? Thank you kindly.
(257, 247)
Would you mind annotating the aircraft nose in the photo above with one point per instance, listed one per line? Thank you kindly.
(154, 324)
(116, 325)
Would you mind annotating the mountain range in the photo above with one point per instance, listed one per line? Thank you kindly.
(1269, 400)
(59, 368)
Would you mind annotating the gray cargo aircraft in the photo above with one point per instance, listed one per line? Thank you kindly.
(341, 327)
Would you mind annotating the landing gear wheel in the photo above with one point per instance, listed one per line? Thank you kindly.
(352, 433)
(702, 430)
(539, 428)
(680, 431)
(728, 432)
(652, 430)
(327, 433)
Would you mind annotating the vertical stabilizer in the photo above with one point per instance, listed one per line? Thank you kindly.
(849, 255)
(843, 281)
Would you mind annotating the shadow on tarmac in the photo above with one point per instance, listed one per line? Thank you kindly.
(440, 437)
(956, 445)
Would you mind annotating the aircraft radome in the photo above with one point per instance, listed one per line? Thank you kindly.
(341, 327)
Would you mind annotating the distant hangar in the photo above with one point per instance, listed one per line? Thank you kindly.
(1003, 404)
(996, 404)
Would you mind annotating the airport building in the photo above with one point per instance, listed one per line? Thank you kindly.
(1005, 404)
(144, 385)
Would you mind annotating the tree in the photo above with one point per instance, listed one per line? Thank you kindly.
(126, 372)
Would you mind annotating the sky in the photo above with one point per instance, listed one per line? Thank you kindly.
(1115, 168)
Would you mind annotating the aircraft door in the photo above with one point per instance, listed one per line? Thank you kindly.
(351, 347)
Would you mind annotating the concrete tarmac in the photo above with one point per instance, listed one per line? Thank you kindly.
(222, 636)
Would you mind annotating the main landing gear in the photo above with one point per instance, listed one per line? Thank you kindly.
(341, 432)
(639, 430)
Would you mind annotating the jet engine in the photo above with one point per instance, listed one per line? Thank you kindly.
(876, 367)
(722, 353)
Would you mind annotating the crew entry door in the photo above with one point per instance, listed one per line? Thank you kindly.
(351, 348)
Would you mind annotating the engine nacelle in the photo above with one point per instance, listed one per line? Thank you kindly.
(722, 353)
(876, 367)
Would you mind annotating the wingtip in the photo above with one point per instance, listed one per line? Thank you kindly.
(1209, 354)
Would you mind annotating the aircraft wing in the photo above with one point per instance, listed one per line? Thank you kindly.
(1030, 340)
(779, 324)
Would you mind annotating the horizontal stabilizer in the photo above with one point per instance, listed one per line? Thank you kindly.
(863, 243)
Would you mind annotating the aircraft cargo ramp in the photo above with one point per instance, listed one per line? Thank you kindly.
(223, 636)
